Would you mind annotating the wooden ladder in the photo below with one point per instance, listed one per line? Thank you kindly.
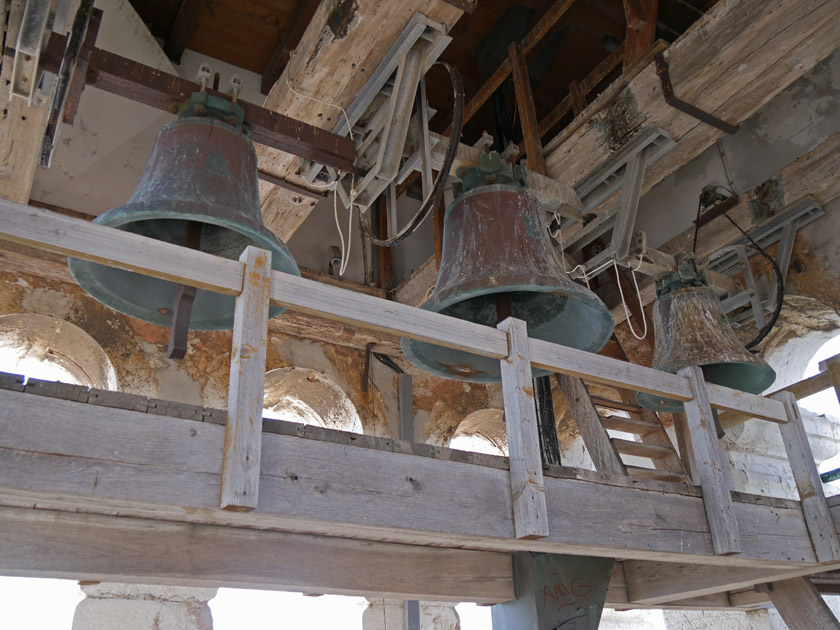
(652, 442)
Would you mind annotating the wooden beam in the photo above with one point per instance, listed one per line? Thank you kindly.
(641, 28)
(21, 126)
(801, 606)
(68, 455)
(577, 97)
(808, 484)
(182, 28)
(527, 489)
(832, 368)
(592, 431)
(291, 38)
(712, 467)
(731, 62)
(66, 545)
(243, 432)
(527, 113)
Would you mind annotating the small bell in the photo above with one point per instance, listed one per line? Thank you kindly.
(690, 328)
(199, 189)
(498, 261)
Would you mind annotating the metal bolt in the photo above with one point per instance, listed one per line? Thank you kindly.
(199, 109)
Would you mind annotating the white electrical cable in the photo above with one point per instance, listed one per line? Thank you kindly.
(624, 303)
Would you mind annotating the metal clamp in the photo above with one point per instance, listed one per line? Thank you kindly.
(662, 70)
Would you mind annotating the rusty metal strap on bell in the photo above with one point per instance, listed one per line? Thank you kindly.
(662, 70)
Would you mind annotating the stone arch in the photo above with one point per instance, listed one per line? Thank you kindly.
(482, 431)
(38, 345)
(309, 397)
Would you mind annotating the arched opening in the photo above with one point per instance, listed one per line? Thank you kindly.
(308, 397)
(46, 348)
(482, 431)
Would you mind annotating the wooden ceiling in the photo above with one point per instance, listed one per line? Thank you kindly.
(257, 34)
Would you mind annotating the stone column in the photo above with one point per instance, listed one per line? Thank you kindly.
(388, 614)
(113, 606)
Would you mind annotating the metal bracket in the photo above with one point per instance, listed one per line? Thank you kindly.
(733, 260)
(625, 170)
(663, 71)
(30, 42)
(381, 134)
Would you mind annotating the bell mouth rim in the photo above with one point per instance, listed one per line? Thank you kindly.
(767, 373)
(261, 233)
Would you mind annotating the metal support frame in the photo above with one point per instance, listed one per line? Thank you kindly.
(381, 135)
(734, 260)
(33, 31)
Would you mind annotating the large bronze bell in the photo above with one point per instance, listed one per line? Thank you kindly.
(498, 261)
(201, 179)
(690, 328)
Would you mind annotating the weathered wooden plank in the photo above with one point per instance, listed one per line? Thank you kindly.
(44, 543)
(65, 235)
(641, 28)
(526, 475)
(595, 438)
(832, 368)
(68, 455)
(712, 467)
(801, 606)
(243, 433)
(808, 485)
(652, 583)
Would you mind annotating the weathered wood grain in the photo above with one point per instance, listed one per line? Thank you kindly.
(243, 432)
(801, 606)
(526, 474)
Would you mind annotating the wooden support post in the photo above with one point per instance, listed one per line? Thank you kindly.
(712, 466)
(821, 526)
(595, 437)
(641, 28)
(530, 515)
(801, 606)
(527, 113)
(182, 28)
(385, 265)
(243, 434)
(577, 97)
(832, 366)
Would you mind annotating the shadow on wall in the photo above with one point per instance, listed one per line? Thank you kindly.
(308, 397)
(46, 348)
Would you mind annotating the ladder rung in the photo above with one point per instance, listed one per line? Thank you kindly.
(629, 425)
(640, 449)
(615, 404)
(659, 475)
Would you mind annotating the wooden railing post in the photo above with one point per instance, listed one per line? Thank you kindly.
(530, 516)
(832, 366)
(243, 433)
(712, 466)
(814, 507)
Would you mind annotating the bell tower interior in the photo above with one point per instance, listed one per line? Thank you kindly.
(420, 314)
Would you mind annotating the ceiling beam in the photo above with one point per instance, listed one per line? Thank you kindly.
(182, 28)
(291, 38)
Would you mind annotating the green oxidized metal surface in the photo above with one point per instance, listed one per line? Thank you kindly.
(201, 170)
(495, 242)
(690, 328)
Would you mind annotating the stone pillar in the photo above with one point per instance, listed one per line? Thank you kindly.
(112, 606)
(388, 614)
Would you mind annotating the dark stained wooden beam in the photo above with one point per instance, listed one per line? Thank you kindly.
(280, 57)
(639, 38)
(527, 112)
(182, 28)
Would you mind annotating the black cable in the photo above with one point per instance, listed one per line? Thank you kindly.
(436, 194)
(386, 360)
(780, 287)
(697, 225)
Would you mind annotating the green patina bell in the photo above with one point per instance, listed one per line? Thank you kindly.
(202, 174)
(690, 328)
(498, 261)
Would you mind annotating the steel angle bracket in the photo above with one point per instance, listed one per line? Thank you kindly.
(734, 259)
(627, 165)
(381, 133)
(625, 170)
